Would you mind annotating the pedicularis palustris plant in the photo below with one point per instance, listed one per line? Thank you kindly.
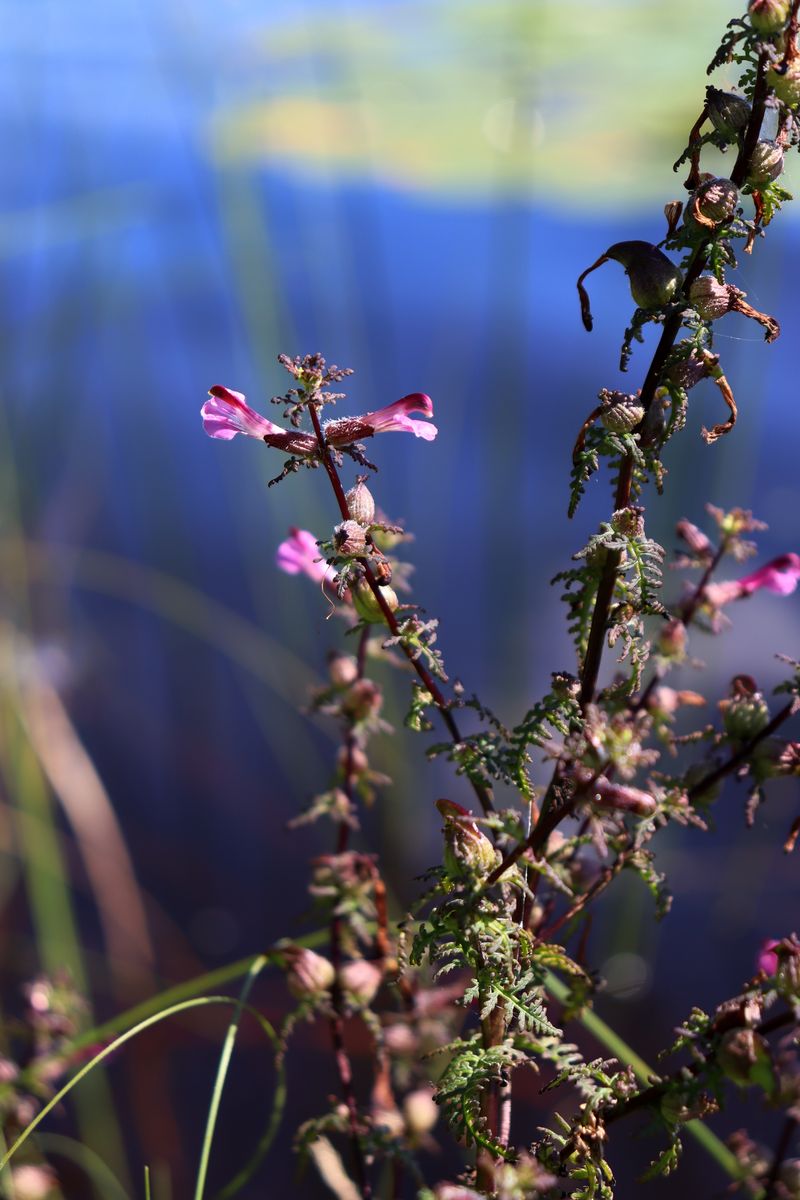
(485, 977)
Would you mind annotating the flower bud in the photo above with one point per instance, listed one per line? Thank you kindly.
(349, 538)
(467, 849)
(786, 84)
(342, 669)
(360, 981)
(744, 1057)
(363, 699)
(34, 1182)
(654, 279)
(766, 163)
(629, 522)
(308, 974)
(421, 1111)
(695, 539)
(621, 413)
(367, 606)
(361, 504)
(672, 640)
(727, 112)
(768, 16)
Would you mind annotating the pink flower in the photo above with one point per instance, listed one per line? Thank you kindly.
(767, 960)
(393, 418)
(227, 414)
(300, 554)
(781, 575)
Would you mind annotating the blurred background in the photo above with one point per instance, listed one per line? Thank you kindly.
(411, 189)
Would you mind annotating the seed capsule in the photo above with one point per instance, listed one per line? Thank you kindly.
(766, 163)
(786, 84)
(367, 606)
(361, 504)
(713, 202)
(622, 413)
(711, 299)
(654, 279)
(768, 16)
(349, 538)
(727, 112)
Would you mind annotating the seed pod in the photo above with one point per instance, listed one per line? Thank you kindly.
(744, 1057)
(621, 413)
(361, 503)
(687, 371)
(768, 16)
(713, 202)
(349, 538)
(672, 640)
(695, 539)
(727, 112)
(766, 163)
(711, 299)
(786, 84)
(367, 606)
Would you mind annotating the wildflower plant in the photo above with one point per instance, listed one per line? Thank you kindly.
(487, 978)
(494, 946)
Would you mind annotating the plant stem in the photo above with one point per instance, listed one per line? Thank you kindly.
(742, 755)
(483, 793)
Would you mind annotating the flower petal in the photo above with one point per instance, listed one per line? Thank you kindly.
(227, 414)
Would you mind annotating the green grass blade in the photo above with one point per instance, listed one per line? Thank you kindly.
(222, 1073)
(173, 1010)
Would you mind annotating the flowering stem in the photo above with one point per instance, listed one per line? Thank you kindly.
(483, 793)
(343, 1065)
(781, 1150)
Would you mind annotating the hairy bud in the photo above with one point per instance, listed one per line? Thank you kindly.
(672, 640)
(308, 974)
(421, 1112)
(745, 713)
(342, 669)
(744, 1057)
(695, 539)
(467, 849)
(360, 981)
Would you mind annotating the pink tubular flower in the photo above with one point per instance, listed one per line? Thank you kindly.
(781, 576)
(393, 418)
(299, 554)
(227, 414)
